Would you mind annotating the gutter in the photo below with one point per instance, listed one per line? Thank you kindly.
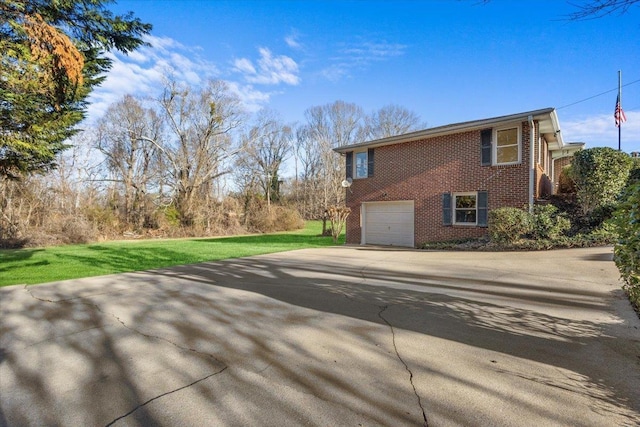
(532, 164)
(443, 130)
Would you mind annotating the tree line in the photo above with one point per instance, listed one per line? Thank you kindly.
(190, 162)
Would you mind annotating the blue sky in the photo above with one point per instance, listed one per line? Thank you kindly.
(448, 61)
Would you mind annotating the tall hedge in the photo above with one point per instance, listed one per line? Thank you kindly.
(508, 225)
(627, 250)
(599, 174)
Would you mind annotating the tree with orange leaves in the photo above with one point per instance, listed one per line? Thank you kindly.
(52, 53)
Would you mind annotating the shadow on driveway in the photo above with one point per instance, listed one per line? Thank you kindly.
(318, 349)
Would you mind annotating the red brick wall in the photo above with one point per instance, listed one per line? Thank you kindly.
(423, 170)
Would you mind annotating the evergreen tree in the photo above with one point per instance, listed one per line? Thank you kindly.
(52, 55)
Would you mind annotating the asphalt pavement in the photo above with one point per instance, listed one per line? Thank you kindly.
(344, 336)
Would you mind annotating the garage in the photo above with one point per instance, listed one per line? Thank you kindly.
(388, 223)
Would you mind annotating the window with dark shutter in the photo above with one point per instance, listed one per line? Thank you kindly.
(370, 162)
(485, 142)
(482, 208)
(349, 166)
(446, 208)
(508, 146)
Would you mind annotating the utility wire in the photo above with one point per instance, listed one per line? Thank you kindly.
(595, 96)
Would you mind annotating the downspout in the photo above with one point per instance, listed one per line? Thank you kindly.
(552, 173)
(532, 166)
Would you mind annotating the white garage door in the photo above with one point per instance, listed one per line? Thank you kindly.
(387, 223)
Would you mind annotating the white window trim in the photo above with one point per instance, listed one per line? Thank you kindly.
(453, 208)
(355, 164)
(495, 145)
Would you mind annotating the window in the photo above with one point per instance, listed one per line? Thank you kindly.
(507, 146)
(362, 162)
(361, 165)
(465, 208)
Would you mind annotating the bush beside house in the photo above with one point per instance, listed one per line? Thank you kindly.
(605, 209)
(600, 174)
(508, 225)
(627, 248)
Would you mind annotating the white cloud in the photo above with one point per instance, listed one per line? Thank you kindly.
(141, 73)
(270, 70)
(370, 51)
(360, 56)
(252, 99)
(245, 66)
(600, 131)
(292, 40)
(335, 72)
(136, 56)
(163, 43)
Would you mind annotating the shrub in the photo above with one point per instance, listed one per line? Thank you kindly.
(547, 223)
(634, 175)
(266, 219)
(599, 174)
(627, 249)
(172, 215)
(77, 230)
(599, 215)
(507, 225)
(289, 218)
(103, 219)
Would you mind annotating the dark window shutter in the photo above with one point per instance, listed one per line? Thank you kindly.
(485, 138)
(349, 167)
(446, 208)
(370, 162)
(482, 208)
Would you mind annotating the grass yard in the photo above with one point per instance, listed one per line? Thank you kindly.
(41, 265)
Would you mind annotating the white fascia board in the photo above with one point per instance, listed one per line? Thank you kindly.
(447, 130)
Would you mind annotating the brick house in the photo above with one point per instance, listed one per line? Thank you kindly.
(438, 184)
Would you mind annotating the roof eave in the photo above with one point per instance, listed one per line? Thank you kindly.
(450, 129)
(567, 150)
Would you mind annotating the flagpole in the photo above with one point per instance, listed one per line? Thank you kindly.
(620, 103)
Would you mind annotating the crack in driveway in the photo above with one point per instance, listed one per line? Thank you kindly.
(83, 301)
(162, 338)
(395, 347)
(165, 394)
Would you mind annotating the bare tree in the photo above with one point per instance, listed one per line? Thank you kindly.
(265, 147)
(334, 125)
(199, 125)
(76, 180)
(598, 8)
(329, 126)
(392, 120)
(308, 164)
(125, 136)
(594, 9)
(16, 205)
(48, 209)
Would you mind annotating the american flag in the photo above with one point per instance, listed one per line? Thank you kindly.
(619, 114)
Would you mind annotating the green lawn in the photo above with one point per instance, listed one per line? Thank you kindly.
(31, 266)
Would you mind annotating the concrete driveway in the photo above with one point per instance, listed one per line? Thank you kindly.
(352, 336)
